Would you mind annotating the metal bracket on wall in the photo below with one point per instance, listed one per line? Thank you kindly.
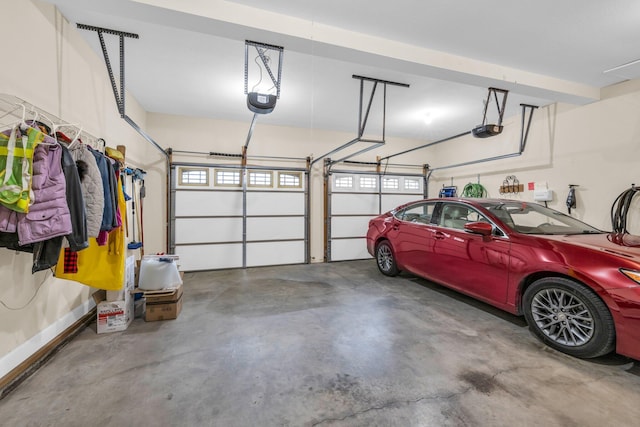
(120, 94)
(524, 130)
(363, 117)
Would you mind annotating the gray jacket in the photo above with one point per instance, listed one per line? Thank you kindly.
(92, 190)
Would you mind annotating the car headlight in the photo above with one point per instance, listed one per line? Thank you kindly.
(631, 274)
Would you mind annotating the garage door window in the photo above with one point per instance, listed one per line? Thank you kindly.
(260, 179)
(193, 176)
(390, 183)
(411, 184)
(368, 182)
(344, 182)
(289, 180)
(227, 178)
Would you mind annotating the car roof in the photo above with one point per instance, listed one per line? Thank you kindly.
(470, 201)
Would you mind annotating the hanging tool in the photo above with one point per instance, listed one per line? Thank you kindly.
(571, 197)
(143, 193)
(620, 209)
(474, 190)
(137, 175)
(449, 191)
(128, 172)
(510, 184)
(134, 244)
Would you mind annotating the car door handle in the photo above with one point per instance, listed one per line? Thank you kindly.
(440, 235)
(395, 227)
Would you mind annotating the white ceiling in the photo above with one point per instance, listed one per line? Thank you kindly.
(189, 59)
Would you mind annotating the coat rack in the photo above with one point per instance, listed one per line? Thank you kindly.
(13, 110)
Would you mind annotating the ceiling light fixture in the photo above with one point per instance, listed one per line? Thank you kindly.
(428, 118)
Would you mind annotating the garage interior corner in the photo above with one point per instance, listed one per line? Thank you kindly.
(321, 345)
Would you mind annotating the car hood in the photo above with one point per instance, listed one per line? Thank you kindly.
(625, 245)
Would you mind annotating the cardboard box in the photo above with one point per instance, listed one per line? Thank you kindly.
(129, 281)
(113, 316)
(163, 304)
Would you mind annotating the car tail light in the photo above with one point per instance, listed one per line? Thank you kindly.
(631, 274)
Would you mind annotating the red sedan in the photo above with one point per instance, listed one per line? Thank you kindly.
(578, 287)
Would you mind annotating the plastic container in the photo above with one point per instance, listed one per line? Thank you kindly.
(158, 273)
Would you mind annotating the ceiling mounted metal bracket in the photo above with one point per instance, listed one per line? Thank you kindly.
(261, 49)
(120, 94)
(500, 104)
(524, 130)
(524, 135)
(363, 117)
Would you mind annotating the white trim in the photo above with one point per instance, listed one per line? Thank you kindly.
(21, 353)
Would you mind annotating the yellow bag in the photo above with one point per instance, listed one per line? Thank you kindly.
(100, 267)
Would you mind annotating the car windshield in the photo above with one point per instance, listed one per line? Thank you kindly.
(532, 218)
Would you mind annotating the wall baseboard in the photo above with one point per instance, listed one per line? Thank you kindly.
(18, 365)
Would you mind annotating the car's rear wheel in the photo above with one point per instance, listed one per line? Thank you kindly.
(569, 317)
(385, 259)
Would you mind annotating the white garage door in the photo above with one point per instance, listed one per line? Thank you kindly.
(220, 222)
(355, 198)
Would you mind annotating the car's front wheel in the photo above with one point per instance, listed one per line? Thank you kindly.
(569, 317)
(385, 259)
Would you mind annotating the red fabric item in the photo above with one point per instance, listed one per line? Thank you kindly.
(103, 238)
(70, 261)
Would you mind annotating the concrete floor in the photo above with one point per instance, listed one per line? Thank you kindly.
(323, 345)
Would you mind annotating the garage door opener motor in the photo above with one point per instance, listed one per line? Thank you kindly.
(485, 129)
(262, 99)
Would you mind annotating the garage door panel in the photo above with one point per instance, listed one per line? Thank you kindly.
(347, 249)
(272, 203)
(275, 228)
(355, 198)
(391, 201)
(208, 230)
(275, 253)
(209, 223)
(353, 203)
(352, 226)
(209, 257)
(208, 203)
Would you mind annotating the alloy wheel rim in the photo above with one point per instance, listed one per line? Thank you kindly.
(385, 258)
(562, 317)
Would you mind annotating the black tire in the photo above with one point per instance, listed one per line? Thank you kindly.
(385, 259)
(569, 317)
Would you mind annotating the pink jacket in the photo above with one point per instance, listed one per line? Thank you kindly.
(48, 215)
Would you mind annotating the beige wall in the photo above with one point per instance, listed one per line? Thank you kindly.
(50, 66)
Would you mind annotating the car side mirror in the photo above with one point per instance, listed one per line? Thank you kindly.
(482, 228)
